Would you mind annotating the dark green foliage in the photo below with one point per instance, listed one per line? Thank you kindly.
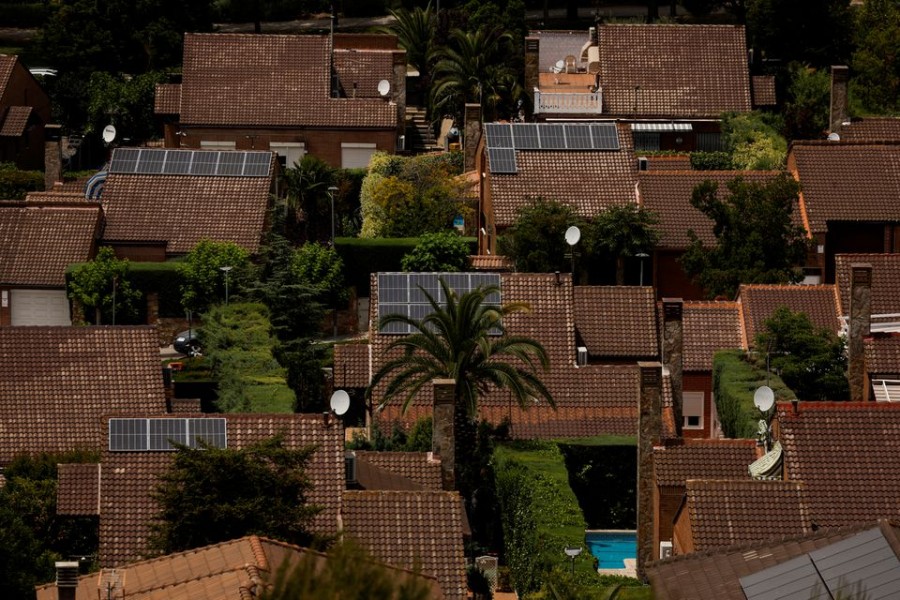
(420, 436)
(537, 240)
(757, 241)
(104, 284)
(817, 32)
(603, 479)
(806, 109)
(438, 252)
(211, 495)
(621, 232)
(809, 359)
(754, 141)
(15, 184)
(734, 382)
(126, 102)
(348, 573)
(23, 14)
(321, 268)
(711, 161)
(415, 30)
(162, 278)
(204, 281)
(876, 61)
(308, 204)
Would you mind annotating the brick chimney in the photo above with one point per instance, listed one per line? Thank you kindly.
(649, 433)
(472, 134)
(840, 111)
(66, 579)
(859, 326)
(52, 156)
(673, 354)
(532, 65)
(443, 441)
(398, 89)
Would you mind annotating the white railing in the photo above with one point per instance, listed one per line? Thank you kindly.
(568, 102)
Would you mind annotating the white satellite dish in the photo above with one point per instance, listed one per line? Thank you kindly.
(834, 137)
(384, 87)
(573, 234)
(764, 398)
(340, 402)
(109, 133)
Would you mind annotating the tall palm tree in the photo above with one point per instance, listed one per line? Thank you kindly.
(457, 341)
(415, 29)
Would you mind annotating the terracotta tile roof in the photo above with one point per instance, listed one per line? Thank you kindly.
(167, 100)
(617, 321)
(60, 197)
(557, 45)
(15, 121)
(63, 379)
(682, 70)
(405, 528)
(232, 569)
(871, 129)
(708, 328)
(415, 466)
(717, 574)
(846, 455)
(351, 365)
(78, 489)
(74, 186)
(763, 88)
(489, 262)
(7, 64)
(37, 243)
(129, 479)
(847, 181)
(183, 209)
(360, 71)
(882, 354)
(666, 162)
(724, 513)
(373, 477)
(590, 181)
(885, 281)
(269, 81)
(759, 302)
(668, 194)
(703, 459)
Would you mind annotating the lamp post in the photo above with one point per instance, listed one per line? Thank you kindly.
(642, 256)
(226, 270)
(331, 190)
(573, 234)
(572, 552)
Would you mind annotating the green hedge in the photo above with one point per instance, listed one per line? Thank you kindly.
(711, 161)
(15, 184)
(363, 256)
(734, 382)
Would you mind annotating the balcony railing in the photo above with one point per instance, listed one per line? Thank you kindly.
(568, 102)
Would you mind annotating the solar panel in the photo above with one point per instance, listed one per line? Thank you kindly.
(393, 309)
(150, 162)
(525, 136)
(163, 432)
(205, 162)
(606, 136)
(499, 135)
(211, 431)
(124, 160)
(257, 164)
(862, 562)
(502, 160)
(553, 137)
(231, 163)
(178, 162)
(578, 137)
(127, 434)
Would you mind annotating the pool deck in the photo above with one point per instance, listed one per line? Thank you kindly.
(630, 569)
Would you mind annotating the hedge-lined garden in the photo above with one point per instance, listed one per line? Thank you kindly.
(734, 382)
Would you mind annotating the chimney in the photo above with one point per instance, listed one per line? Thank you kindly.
(398, 89)
(649, 433)
(840, 112)
(443, 441)
(66, 579)
(860, 326)
(673, 354)
(472, 134)
(532, 65)
(52, 156)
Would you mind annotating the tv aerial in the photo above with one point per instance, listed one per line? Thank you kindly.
(340, 402)
(384, 88)
(764, 398)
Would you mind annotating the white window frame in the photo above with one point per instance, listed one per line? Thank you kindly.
(692, 400)
(289, 150)
(217, 145)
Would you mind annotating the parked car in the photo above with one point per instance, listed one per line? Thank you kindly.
(188, 343)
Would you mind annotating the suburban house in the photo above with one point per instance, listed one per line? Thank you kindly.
(760, 301)
(884, 285)
(589, 166)
(670, 83)
(59, 381)
(24, 110)
(882, 367)
(39, 238)
(339, 97)
(615, 324)
(160, 203)
(234, 569)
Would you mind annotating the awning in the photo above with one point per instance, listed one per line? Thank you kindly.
(769, 466)
(661, 127)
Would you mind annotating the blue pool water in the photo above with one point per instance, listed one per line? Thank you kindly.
(611, 548)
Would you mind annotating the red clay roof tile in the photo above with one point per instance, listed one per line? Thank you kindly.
(759, 302)
(15, 121)
(871, 129)
(882, 354)
(763, 87)
(703, 459)
(885, 281)
(617, 321)
(419, 467)
(167, 100)
(78, 489)
(708, 328)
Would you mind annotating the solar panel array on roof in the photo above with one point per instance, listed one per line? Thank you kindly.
(503, 139)
(208, 163)
(134, 435)
(402, 293)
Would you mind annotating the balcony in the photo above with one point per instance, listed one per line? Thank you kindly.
(568, 103)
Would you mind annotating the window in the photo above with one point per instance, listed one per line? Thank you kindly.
(216, 145)
(356, 156)
(645, 140)
(709, 142)
(692, 410)
(288, 152)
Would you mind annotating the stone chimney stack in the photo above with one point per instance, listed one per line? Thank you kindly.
(66, 579)
(649, 433)
(532, 65)
(472, 134)
(673, 354)
(859, 326)
(840, 108)
(443, 441)
(52, 156)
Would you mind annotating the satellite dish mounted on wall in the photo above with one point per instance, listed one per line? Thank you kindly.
(109, 133)
(340, 402)
(573, 234)
(384, 87)
(764, 398)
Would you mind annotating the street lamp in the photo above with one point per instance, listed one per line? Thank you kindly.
(331, 190)
(572, 552)
(226, 270)
(573, 234)
(642, 256)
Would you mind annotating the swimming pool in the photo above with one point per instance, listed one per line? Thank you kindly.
(611, 548)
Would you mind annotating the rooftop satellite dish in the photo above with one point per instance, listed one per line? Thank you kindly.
(384, 87)
(834, 137)
(109, 133)
(559, 66)
(764, 398)
(573, 234)
(340, 402)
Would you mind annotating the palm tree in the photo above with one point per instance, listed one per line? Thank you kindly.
(415, 30)
(457, 341)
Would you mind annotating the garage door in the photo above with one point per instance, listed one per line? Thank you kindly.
(39, 307)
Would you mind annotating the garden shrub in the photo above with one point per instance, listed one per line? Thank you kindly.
(734, 382)
(15, 184)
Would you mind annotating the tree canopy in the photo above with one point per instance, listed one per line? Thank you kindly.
(103, 284)
(444, 251)
(621, 232)
(755, 144)
(536, 242)
(876, 61)
(756, 238)
(210, 495)
(204, 277)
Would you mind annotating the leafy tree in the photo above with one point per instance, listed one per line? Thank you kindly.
(754, 144)
(757, 242)
(876, 61)
(204, 280)
(321, 268)
(307, 198)
(437, 252)
(104, 285)
(346, 574)
(810, 31)
(211, 495)
(806, 109)
(810, 360)
(125, 102)
(623, 231)
(420, 436)
(537, 240)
